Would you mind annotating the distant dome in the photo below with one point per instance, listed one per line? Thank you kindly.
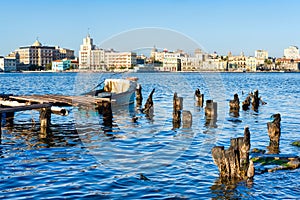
(36, 44)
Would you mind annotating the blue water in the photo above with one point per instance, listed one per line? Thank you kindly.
(80, 158)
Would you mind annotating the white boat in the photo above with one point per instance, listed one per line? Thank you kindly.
(119, 91)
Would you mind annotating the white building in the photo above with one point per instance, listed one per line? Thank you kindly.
(8, 64)
(251, 63)
(292, 52)
(120, 60)
(89, 56)
(172, 61)
(93, 58)
(212, 64)
(261, 56)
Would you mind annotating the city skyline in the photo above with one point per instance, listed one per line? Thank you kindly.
(220, 26)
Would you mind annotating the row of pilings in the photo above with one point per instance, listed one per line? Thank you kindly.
(234, 163)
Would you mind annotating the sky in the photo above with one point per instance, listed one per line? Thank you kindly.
(214, 25)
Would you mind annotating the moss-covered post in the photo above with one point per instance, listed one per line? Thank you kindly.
(274, 132)
(234, 163)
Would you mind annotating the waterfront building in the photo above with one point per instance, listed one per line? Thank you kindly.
(63, 53)
(173, 61)
(288, 64)
(8, 64)
(292, 52)
(61, 65)
(237, 63)
(40, 55)
(90, 58)
(120, 60)
(158, 56)
(214, 64)
(261, 56)
(251, 63)
(94, 58)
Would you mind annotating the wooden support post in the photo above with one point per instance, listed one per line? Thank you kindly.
(211, 113)
(45, 117)
(255, 100)
(234, 163)
(139, 97)
(246, 103)
(274, 132)
(149, 103)
(177, 107)
(211, 109)
(0, 127)
(107, 114)
(9, 118)
(235, 104)
(187, 119)
(199, 98)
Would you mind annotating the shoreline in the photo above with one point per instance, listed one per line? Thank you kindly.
(85, 71)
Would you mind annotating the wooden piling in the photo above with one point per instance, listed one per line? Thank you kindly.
(233, 163)
(255, 100)
(9, 118)
(139, 97)
(274, 132)
(149, 103)
(45, 117)
(246, 103)
(234, 104)
(106, 111)
(0, 125)
(177, 107)
(211, 109)
(187, 119)
(199, 98)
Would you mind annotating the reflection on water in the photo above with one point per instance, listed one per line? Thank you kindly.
(85, 155)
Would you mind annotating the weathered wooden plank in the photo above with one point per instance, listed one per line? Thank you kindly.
(23, 108)
(60, 99)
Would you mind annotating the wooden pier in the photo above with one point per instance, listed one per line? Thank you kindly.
(10, 104)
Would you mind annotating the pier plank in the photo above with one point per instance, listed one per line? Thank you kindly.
(23, 108)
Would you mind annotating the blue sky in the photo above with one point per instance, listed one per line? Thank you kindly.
(217, 25)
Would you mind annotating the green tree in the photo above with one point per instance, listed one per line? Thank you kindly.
(49, 66)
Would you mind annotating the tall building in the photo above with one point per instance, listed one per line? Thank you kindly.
(40, 55)
(93, 58)
(261, 56)
(292, 52)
